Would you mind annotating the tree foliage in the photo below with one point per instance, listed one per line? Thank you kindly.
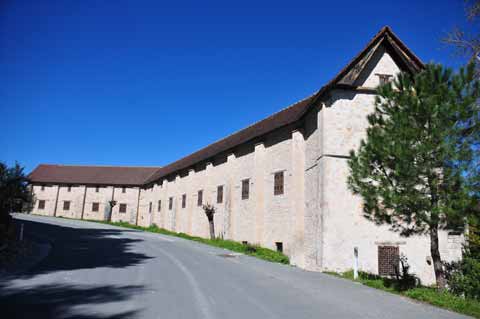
(412, 168)
(14, 193)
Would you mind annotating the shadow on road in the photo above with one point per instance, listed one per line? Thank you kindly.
(62, 301)
(21, 296)
(83, 248)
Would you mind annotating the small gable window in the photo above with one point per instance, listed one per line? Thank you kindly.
(383, 78)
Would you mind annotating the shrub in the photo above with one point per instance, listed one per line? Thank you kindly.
(464, 277)
(404, 279)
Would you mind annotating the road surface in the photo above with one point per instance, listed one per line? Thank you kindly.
(97, 271)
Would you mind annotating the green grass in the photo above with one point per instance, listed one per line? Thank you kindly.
(247, 249)
(428, 295)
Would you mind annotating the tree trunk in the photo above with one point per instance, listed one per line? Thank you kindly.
(437, 261)
(212, 228)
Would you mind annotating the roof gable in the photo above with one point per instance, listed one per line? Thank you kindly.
(401, 54)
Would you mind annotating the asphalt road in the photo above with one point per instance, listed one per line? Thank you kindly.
(98, 271)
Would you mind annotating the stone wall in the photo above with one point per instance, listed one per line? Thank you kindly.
(263, 218)
(82, 199)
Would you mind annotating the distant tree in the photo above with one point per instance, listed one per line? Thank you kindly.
(410, 169)
(467, 44)
(14, 194)
(209, 211)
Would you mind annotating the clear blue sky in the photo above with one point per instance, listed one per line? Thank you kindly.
(147, 82)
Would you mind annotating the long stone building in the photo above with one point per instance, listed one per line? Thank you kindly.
(279, 183)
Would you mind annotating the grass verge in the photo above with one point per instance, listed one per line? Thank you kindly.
(428, 295)
(247, 249)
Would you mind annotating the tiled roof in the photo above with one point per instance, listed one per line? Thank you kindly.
(96, 175)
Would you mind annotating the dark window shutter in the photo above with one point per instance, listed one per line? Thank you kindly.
(278, 183)
(200, 198)
(220, 194)
(388, 260)
(245, 188)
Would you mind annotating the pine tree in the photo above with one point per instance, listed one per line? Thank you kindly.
(411, 169)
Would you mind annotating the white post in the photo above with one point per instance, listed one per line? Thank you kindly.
(21, 232)
(355, 263)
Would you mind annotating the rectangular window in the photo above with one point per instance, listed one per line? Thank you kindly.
(159, 208)
(69, 188)
(170, 203)
(42, 188)
(124, 190)
(97, 189)
(95, 207)
(41, 204)
(200, 198)
(220, 194)
(66, 205)
(278, 183)
(123, 208)
(245, 188)
(184, 200)
(279, 246)
(383, 78)
(150, 207)
(388, 260)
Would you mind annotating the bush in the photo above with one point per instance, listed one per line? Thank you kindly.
(444, 299)
(464, 277)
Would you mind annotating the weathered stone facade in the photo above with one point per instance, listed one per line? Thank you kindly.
(317, 220)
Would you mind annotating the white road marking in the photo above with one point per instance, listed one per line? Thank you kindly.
(200, 297)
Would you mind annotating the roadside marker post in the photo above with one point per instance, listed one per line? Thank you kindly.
(21, 232)
(355, 263)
